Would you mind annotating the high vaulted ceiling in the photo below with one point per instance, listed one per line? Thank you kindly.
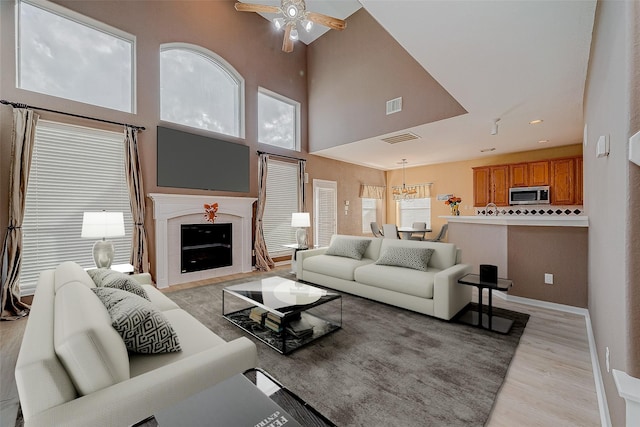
(516, 60)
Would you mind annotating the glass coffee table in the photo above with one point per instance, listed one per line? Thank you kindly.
(250, 399)
(282, 313)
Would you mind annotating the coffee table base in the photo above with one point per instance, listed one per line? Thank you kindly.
(498, 324)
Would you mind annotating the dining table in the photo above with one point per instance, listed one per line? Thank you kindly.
(407, 232)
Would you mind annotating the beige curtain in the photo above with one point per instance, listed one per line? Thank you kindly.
(139, 254)
(422, 191)
(372, 192)
(263, 260)
(23, 137)
(301, 193)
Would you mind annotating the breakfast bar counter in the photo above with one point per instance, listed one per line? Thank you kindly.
(545, 254)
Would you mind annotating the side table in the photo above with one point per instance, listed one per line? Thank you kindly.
(486, 320)
(296, 247)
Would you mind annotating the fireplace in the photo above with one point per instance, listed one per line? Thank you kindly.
(205, 246)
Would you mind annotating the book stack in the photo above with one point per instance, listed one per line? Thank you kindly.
(258, 314)
(273, 322)
(300, 328)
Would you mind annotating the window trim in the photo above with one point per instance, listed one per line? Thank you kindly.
(224, 66)
(295, 104)
(81, 19)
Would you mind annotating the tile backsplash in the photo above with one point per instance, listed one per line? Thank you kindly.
(533, 210)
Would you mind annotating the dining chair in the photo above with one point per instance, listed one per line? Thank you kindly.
(418, 235)
(376, 230)
(390, 231)
(441, 234)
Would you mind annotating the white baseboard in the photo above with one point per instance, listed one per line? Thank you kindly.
(605, 418)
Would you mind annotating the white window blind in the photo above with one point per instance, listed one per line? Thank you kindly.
(325, 217)
(369, 213)
(282, 201)
(414, 210)
(74, 169)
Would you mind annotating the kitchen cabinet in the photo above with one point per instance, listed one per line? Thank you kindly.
(519, 175)
(563, 181)
(539, 173)
(579, 181)
(491, 184)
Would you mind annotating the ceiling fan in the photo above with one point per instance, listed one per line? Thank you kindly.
(291, 13)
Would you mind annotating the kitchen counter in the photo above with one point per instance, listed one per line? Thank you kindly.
(528, 220)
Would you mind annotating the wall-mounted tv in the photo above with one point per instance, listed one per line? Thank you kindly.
(187, 160)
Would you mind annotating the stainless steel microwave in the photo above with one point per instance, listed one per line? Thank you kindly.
(529, 195)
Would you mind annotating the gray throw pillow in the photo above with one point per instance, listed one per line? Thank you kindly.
(350, 248)
(104, 277)
(143, 328)
(398, 256)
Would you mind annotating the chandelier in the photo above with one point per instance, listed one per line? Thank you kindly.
(403, 192)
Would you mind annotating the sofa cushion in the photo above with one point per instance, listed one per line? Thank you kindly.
(143, 328)
(91, 351)
(444, 255)
(334, 266)
(159, 300)
(373, 250)
(105, 277)
(414, 258)
(399, 279)
(350, 248)
(70, 272)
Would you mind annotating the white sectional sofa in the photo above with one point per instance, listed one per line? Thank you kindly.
(432, 290)
(73, 368)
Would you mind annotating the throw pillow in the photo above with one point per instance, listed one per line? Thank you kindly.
(104, 277)
(143, 328)
(350, 248)
(398, 256)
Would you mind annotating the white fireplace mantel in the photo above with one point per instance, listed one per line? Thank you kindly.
(172, 210)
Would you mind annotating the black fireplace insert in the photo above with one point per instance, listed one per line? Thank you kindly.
(205, 246)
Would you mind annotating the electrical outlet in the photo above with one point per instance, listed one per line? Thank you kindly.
(606, 357)
(548, 279)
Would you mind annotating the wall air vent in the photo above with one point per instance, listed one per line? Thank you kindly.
(394, 106)
(401, 137)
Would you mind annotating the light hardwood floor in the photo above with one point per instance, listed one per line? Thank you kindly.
(549, 383)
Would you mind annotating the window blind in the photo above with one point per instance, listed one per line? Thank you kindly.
(325, 212)
(282, 201)
(414, 210)
(369, 213)
(74, 169)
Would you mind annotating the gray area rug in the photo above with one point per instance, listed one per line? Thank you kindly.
(386, 366)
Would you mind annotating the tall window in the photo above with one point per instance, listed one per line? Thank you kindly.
(200, 89)
(65, 54)
(278, 120)
(414, 210)
(74, 169)
(369, 213)
(282, 201)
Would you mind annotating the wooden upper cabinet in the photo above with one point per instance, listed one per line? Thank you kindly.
(579, 181)
(519, 175)
(499, 193)
(481, 184)
(563, 175)
(539, 173)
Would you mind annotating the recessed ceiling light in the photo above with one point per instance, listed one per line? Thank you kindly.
(543, 141)
(535, 122)
(484, 150)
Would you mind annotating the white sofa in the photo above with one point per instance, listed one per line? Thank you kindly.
(435, 292)
(118, 388)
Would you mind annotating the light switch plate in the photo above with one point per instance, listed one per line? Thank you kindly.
(602, 147)
(548, 279)
(634, 148)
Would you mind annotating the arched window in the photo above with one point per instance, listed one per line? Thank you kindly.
(200, 89)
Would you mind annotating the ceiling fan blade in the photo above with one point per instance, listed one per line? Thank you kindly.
(327, 21)
(287, 43)
(259, 8)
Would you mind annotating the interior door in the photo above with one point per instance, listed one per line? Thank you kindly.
(325, 215)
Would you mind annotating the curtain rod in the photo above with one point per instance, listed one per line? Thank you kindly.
(18, 105)
(283, 156)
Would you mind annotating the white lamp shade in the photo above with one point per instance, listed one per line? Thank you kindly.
(102, 224)
(300, 219)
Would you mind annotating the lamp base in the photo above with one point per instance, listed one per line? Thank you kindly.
(301, 238)
(103, 252)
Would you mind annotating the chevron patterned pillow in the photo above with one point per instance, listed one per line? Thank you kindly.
(143, 328)
(114, 279)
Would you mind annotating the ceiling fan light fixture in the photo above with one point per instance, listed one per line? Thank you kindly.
(292, 11)
(279, 23)
(307, 25)
(293, 35)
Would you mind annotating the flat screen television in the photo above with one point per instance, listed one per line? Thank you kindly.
(187, 160)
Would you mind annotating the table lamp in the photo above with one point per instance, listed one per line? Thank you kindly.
(102, 225)
(302, 221)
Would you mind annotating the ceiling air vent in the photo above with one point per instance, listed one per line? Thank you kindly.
(394, 106)
(401, 137)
